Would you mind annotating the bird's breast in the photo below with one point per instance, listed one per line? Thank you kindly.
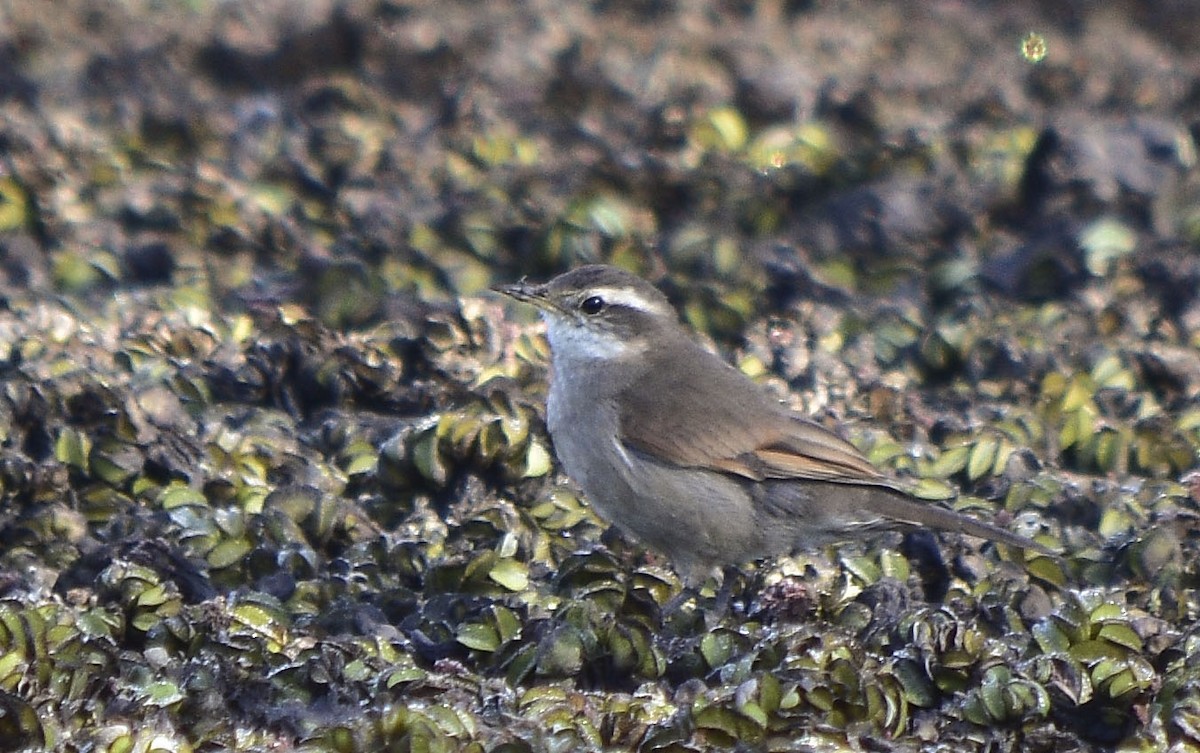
(585, 434)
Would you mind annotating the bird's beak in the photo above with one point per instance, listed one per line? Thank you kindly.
(526, 293)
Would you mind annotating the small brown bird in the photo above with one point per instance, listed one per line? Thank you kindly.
(685, 453)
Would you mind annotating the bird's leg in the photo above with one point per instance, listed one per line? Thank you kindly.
(693, 583)
(722, 602)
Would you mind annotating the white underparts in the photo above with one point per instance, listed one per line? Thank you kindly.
(573, 341)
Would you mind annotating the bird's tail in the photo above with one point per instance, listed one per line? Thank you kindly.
(918, 514)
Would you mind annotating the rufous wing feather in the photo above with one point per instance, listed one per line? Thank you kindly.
(759, 438)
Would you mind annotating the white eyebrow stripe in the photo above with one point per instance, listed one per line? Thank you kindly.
(630, 298)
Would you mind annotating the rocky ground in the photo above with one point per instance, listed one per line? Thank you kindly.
(274, 474)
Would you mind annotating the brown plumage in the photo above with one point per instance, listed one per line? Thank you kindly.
(684, 452)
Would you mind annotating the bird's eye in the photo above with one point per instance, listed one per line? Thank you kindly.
(592, 305)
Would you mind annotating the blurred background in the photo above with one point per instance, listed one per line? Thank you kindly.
(272, 467)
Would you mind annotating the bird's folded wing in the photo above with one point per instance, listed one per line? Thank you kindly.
(808, 451)
(745, 432)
